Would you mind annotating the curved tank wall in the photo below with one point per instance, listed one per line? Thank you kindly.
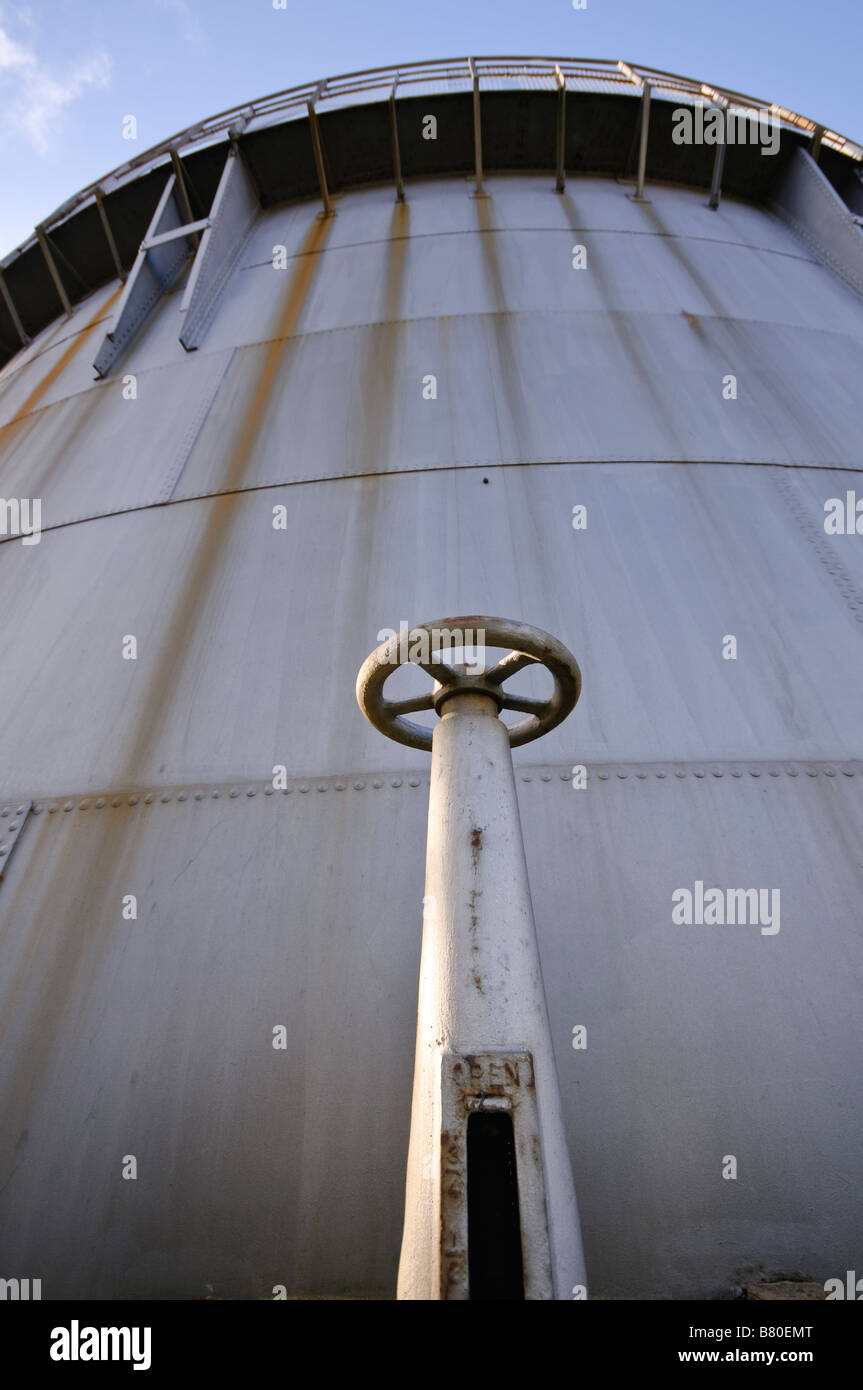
(556, 387)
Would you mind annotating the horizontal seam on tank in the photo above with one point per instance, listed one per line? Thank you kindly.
(672, 315)
(584, 462)
(479, 231)
(604, 231)
(700, 769)
(544, 231)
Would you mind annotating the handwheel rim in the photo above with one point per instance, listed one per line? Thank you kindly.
(527, 646)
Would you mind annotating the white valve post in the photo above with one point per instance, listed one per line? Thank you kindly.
(490, 1206)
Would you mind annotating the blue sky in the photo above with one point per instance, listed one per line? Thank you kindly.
(70, 70)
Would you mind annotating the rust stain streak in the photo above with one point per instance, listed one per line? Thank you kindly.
(68, 944)
(295, 298)
(511, 407)
(373, 408)
(60, 365)
(208, 558)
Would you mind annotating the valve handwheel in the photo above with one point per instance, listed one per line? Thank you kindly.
(530, 647)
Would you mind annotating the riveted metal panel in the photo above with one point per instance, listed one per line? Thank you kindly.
(121, 444)
(705, 1041)
(153, 1036)
(12, 818)
(807, 201)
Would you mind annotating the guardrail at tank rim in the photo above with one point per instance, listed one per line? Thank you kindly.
(438, 73)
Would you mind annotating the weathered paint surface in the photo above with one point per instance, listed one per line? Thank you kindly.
(481, 991)
(600, 388)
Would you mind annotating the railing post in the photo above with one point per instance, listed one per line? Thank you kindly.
(477, 130)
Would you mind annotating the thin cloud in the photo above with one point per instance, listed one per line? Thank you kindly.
(182, 11)
(13, 55)
(33, 93)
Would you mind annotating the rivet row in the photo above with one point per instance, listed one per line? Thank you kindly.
(602, 773)
(826, 553)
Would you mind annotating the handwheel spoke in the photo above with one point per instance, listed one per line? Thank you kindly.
(508, 665)
(437, 670)
(397, 707)
(525, 706)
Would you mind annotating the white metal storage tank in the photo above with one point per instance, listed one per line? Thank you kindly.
(257, 408)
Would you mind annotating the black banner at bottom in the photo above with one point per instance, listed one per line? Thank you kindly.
(221, 1337)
